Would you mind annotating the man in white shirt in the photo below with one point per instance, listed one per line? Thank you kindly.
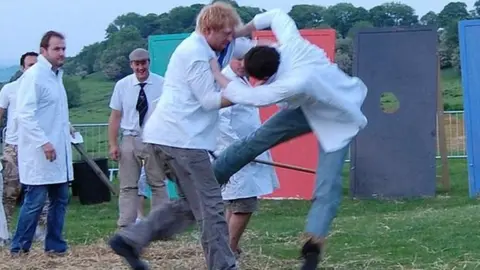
(319, 97)
(133, 100)
(254, 180)
(12, 188)
(183, 129)
(44, 147)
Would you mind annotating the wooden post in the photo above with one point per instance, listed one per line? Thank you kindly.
(442, 140)
(94, 167)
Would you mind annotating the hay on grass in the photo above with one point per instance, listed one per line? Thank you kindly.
(178, 254)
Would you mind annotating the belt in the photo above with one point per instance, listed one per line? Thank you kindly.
(132, 133)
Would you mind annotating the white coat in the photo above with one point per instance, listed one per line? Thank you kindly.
(42, 116)
(237, 122)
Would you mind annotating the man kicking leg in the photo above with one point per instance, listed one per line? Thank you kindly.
(182, 129)
(318, 96)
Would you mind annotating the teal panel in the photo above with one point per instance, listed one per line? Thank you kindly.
(161, 48)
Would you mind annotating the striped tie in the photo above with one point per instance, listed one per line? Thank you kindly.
(142, 104)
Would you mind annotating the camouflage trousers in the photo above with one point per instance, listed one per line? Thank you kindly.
(11, 184)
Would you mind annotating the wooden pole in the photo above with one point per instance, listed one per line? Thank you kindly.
(278, 164)
(94, 167)
(442, 140)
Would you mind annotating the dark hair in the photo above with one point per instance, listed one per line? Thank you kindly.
(47, 36)
(22, 59)
(261, 62)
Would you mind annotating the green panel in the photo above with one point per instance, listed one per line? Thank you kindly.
(161, 48)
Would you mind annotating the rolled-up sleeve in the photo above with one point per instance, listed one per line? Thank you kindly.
(282, 25)
(200, 79)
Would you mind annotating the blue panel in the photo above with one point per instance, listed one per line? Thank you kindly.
(394, 156)
(161, 48)
(469, 35)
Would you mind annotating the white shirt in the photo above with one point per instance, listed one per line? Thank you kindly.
(42, 116)
(125, 96)
(7, 101)
(186, 115)
(236, 122)
(330, 99)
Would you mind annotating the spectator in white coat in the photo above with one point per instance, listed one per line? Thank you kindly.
(4, 235)
(241, 193)
(44, 147)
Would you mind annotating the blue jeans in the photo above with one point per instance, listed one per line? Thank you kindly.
(33, 203)
(281, 127)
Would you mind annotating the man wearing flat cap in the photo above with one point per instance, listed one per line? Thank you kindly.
(133, 100)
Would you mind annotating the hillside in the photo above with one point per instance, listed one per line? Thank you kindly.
(7, 72)
(94, 98)
(96, 91)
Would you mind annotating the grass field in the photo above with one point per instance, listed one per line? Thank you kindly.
(435, 233)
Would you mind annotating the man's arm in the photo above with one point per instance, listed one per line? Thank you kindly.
(202, 83)
(27, 98)
(4, 102)
(114, 121)
(259, 96)
(263, 95)
(243, 45)
(282, 25)
(113, 127)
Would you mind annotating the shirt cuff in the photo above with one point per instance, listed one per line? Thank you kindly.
(262, 21)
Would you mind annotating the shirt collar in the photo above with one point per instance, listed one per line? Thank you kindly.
(44, 62)
(203, 40)
(147, 81)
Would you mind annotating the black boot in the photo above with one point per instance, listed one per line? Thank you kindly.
(121, 248)
(311, 255)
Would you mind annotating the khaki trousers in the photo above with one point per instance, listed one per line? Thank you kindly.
(133, 152)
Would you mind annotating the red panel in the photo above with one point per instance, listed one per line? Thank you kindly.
(301, 151)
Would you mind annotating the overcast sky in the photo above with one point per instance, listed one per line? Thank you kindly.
(22, 22)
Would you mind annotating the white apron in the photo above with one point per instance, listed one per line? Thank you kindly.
(236, 122)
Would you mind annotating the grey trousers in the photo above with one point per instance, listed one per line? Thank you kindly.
(200, 201)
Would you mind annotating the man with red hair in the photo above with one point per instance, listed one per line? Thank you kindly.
(182, 130)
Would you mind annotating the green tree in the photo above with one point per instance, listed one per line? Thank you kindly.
(73, 92)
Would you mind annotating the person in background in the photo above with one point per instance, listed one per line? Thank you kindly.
(316, 95)
(11, 182)
(4, 234)
(44, 147)
(144, 192)
(254, 180)
(133, 100)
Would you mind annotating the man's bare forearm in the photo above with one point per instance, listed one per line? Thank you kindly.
(113, 127)
(221, 79)
(225, 103)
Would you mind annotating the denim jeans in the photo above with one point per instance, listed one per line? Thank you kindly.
(33, 203)
(281, 127)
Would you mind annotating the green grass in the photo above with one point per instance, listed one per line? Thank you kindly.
(434, 233)
(95, 98)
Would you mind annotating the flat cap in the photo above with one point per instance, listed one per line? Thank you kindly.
(139, 54)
